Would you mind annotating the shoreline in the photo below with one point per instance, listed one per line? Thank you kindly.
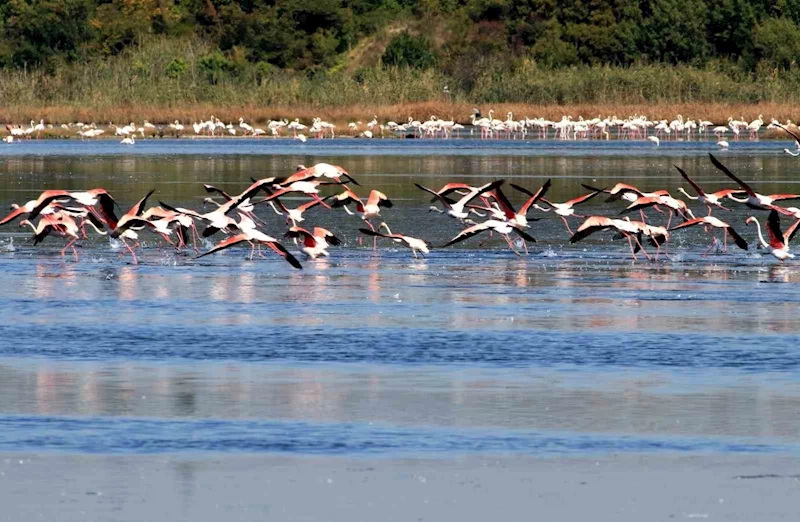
(341, 115)
(249, 487)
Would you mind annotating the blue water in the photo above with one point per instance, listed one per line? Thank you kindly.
(574, 349)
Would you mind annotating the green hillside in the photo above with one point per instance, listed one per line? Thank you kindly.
(326, 53)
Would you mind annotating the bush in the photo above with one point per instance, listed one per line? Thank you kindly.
(411, 51)
(215, 66)
(176, 69)
(777, 41)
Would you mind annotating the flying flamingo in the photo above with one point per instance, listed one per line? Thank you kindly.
(625, 227)
(565, 209)
(754, 200)
(314, 244)
(716, 223)
(796, 140)
(130, 222)
(255, 236)
(457, 209)
(503, 228)
(778, 241)
(710, 200)
(416, 245)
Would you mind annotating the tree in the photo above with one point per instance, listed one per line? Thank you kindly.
(777, 42)
(674, 31)
(412, 51)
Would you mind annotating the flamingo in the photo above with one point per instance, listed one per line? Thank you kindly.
(314, 244)
(778, 241)
(710, 200)
(128, 141)
(624, 191)
(796, 140)
(564, 210)
(503, 228)
(754, 200)
(416, 245)
(60, 223)
(675, 206)
(371, 209)
(457, 209)
(625, 227)
(255, 237)
(716, 223)
(320, 170)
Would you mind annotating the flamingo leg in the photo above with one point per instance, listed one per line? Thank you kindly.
(69, 245)
(510, 244)
(133, 254)
(724, 241)
(566, 224)
(642, 249)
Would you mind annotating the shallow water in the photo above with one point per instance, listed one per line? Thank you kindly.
(574, 349)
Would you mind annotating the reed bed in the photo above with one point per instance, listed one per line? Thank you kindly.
(163, 80)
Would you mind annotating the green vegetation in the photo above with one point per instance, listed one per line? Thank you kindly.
(338, 53)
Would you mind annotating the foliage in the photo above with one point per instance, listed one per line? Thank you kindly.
(474, 45)
(412, 51)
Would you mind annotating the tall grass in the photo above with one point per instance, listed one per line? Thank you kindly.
(137, 85)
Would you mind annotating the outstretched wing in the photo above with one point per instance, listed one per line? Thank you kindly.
(776, 239)
(740, 242)
(225, 243)
(689, 180)
(730, 174)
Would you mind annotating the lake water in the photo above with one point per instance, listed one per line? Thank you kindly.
(572, 350)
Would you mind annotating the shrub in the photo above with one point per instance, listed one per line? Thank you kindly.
(411, 51)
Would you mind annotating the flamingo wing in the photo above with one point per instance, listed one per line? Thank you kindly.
(730, 174)
(784, 197)
(790, 232)
(591, 225)
(13, 215)
(582, 199)
(534, 196)
(793, 134)
(211, 189)
(504, 203)
(689, 223)
(691, 182)
(740, 242)
(444, 200)
(466, 234)
(640, 204)
(225, 243)
(524, 235)
(776, 238)
(107, 209)
(281, 251)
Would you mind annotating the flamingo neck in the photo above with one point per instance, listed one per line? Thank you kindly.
(760, 237)
(687, 194)
(734, 198)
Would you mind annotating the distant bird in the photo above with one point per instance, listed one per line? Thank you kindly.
(722, 144)
(128, 141)
(654, 139)
(796, 140)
